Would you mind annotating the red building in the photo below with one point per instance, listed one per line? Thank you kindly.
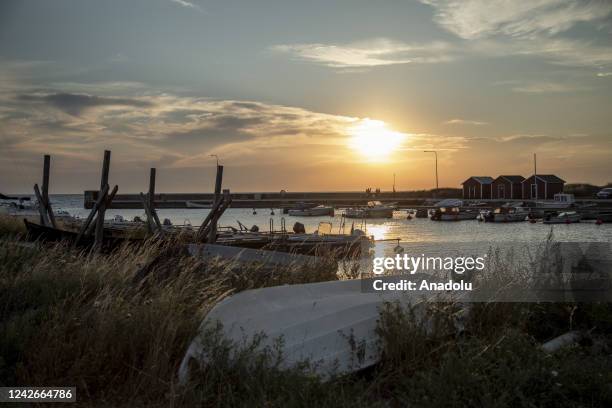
(477, 187)
(542, 186)
(509, 187)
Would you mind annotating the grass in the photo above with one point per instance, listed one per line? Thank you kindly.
(74, 318)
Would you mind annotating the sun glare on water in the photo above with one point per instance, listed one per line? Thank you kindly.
(374, 140)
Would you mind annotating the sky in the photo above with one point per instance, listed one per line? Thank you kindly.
(303, 96)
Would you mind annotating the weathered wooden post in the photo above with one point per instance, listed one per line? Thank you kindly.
(45, 189)
(212, 237)
(152, 188)
(44, 220)
(99, 234)
(42, 196)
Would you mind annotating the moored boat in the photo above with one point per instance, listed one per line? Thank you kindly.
(37, 232)
(568, 217)
(320, 210)
(374, 209)
(422, 213)
(453, 214)
(198, 204)
(507, 214)
(560, 200)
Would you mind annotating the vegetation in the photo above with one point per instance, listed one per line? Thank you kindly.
(583, 189)
(117, 326)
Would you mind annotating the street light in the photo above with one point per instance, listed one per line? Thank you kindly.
(216, 157)
(436, 154)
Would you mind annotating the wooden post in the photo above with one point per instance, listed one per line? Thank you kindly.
(152, 189)
(152, 220)
(109, 200)
(209, 217)
(93, 211)
(218, 212)
(152, 199)
(41, 207)
(102, 209)
(44, 201)
(212, 237)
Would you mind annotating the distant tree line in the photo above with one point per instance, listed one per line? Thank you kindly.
(583, 189)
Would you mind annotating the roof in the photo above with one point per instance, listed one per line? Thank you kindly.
(512, 179)
(480, 179)
(549, 178)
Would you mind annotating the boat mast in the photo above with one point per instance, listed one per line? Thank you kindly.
(535, 176)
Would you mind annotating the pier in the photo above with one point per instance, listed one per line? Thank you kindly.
(403, 199)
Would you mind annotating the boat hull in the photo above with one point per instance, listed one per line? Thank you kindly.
(454, 217)
(37, 232)
(506, 218)
(563, 219)
(312, 212)
(316, 322)
(369, 213)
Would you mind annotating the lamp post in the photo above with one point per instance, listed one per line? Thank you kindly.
(216, 157)
(436, 154)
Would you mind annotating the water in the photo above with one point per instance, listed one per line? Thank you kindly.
(417, 234)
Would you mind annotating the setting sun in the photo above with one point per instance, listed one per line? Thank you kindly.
(374, 140)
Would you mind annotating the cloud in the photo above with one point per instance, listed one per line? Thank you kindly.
(547, 87)
(188, 4)
(74, 104)
(471, 19)
(184, 128)
(465, 122)
(501, 28)
(370, 53)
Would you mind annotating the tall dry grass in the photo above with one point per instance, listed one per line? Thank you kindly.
(116, 326)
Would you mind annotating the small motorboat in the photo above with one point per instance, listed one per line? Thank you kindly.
(507, 214)
(568, 217)
(374, 209)
(453, 214)
(422, 213)
(560, 200)
(198, 204)
(320, 210)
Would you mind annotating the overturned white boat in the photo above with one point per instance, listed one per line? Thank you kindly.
(319, 322)
(374, 209)
(320, 210)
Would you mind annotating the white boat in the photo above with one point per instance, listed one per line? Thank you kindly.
(453, 214)
(449, 202)
(320, 210)
(194, 204)
(319, 322)
(507, 214)
(374, 209)
(560, 200)
(568, 217)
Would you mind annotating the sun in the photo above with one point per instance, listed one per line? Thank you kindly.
(374, 140)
